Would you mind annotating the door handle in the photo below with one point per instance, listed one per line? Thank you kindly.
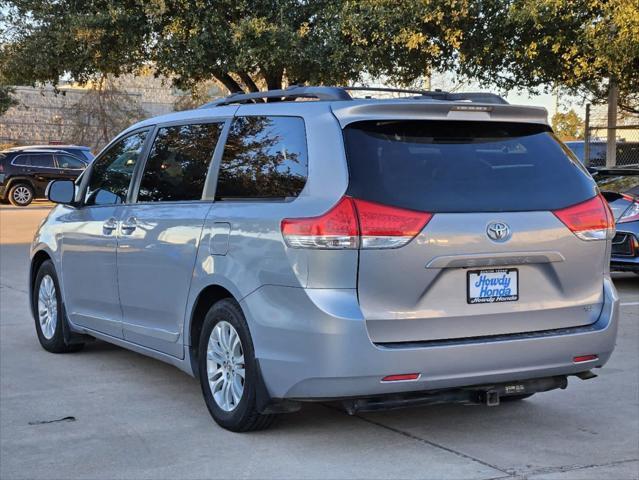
(128, 226)
(110, 225)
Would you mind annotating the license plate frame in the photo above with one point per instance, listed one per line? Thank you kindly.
(475, 275)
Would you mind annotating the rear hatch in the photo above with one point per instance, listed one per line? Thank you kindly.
(516, 241)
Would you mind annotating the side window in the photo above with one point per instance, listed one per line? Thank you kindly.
(21, 161)
(264, 157)
(72, 163)
(178, 163)
(44, 160)
(111, 173)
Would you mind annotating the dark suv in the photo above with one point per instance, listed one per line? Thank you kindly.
(80, 151)
(25, 174)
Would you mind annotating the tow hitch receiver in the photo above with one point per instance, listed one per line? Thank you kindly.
(489, 397)
(475, 395)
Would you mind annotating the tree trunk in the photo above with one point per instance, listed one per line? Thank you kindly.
(248, 81)
(273, 79)
(227, 81)
(611, 148)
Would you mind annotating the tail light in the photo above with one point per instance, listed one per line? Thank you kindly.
(589, 220)
(354, 223)
(631, 214)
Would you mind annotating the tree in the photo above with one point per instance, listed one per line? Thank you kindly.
(579, 45)
(103, 112)
(568, 126)
(6, 100)
(244, 45)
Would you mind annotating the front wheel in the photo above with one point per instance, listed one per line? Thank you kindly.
(47, 309)
(228, 370)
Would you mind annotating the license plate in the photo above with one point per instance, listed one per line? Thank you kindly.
(490, 286)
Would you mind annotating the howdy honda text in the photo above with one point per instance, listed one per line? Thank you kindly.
(488, 286)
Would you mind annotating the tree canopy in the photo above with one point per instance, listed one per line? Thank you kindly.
(257, 44)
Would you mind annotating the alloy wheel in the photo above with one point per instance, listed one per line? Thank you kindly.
(47, 307)
(22, 194)
(225, 366)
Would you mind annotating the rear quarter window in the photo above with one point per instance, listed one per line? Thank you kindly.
(264, 158)
(459, 166)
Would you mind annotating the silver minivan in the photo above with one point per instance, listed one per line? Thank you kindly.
(380, 252)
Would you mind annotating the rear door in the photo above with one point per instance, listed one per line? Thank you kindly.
(160, 234)
(495, 258)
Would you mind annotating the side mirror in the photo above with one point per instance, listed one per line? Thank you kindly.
(61, 191)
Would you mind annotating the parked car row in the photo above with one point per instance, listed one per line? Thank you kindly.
(25, 172)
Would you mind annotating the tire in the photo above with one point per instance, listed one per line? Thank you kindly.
(21, 194)
(230, 408)
(515, 398)
(48, 312)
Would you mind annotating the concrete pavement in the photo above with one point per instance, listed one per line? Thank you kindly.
(109, 413)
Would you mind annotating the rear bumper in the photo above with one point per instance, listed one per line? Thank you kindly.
(318, 347)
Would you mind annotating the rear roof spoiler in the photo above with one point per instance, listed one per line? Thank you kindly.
(354, 111)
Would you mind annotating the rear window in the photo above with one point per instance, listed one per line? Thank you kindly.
(457, 166)
(42, 161)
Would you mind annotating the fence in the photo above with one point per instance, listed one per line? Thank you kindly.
(627, 146)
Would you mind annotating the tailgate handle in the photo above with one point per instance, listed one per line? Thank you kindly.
(494, 259)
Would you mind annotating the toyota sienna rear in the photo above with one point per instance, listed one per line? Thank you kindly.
(382, 253)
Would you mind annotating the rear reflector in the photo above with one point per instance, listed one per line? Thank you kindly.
(354, 223)
(584, 358)
(589, 220)
(403, 377)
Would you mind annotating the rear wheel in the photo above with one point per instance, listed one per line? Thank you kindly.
(21, 194)
(228, 371)
(47, 308)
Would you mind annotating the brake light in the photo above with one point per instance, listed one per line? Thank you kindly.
(631, 214)
(336, 229)
(382, 226)
(354, 223)
(589, 220)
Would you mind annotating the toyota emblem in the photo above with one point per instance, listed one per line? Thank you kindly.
(498, 231)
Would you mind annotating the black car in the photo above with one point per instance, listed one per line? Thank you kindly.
(620, 187)
(25, 173)
(80, 151)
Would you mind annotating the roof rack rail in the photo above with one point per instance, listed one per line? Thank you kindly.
(295, 92)
(291, 93)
